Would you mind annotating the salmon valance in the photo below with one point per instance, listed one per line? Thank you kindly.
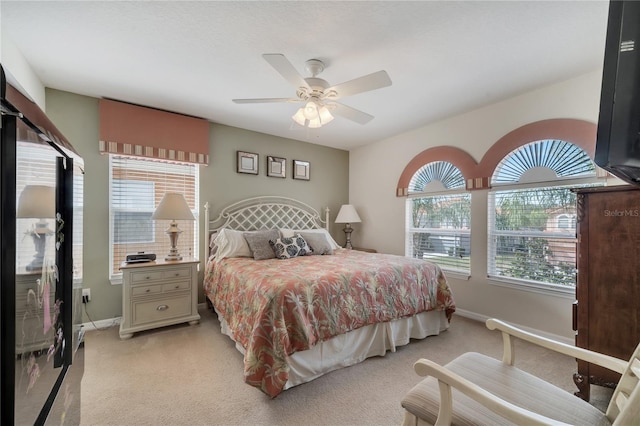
(128, 129)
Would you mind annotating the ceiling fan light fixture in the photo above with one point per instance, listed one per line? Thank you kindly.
(298, 117)
(312, 115)
(315, 123)
(325, 115)
(310, 111)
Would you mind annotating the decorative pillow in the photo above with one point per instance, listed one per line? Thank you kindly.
(212, 240)
(230, 243)
(258, 242)
(287, 248)
(291, 232)
(213, 248)
(317, 242)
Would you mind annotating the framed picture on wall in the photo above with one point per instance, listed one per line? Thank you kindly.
(276, 166)
(247, 162)
(301, 169)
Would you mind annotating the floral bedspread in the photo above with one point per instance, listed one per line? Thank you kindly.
(277, 307)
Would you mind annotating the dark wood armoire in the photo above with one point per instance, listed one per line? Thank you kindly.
(606, 314)
(41, 345)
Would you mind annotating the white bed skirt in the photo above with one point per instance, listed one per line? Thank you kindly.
(357, 345)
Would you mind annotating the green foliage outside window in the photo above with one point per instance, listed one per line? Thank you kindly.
(522, 250)
(531, 263)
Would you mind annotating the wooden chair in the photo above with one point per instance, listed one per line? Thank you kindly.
(480, 390)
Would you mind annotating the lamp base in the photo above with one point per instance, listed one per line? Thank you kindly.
(173, 232)
(173, 256)
(39, 240)
(347, 232)
(35, 265)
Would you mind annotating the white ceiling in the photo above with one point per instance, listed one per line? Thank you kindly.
(444, 58)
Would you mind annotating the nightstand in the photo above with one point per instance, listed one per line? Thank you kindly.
(157, 294)
(368, 250)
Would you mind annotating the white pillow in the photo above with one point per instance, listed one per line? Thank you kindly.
(288, 233)
(231, 243)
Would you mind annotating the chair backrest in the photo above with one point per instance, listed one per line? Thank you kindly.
(624, 407)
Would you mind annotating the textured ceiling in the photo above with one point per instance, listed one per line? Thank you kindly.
(444, 58)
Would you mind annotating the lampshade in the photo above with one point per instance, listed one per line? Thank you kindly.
(37, 201)
(312, 115)
(347, 214)
(173, 207)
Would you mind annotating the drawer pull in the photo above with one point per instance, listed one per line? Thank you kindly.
(177, 274)
(148, 290)
(178, 286)
(147, 277)
(162, 307)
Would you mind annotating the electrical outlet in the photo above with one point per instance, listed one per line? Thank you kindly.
(86, 295)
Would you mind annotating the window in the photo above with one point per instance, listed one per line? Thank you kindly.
(532, 213)
(439, 217)
(132, 206)
(137, 185)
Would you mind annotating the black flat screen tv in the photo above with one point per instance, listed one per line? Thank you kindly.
(618, 136)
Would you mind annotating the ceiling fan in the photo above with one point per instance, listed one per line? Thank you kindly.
(317, 95)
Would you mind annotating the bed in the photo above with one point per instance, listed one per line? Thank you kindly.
(314, 307)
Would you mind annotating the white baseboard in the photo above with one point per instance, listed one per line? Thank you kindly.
(101, 324)
(484, 318)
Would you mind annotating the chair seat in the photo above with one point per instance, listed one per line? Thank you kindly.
(507, 382)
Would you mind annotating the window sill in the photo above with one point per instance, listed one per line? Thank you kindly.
(549, 290)
(459, 275)
(116, 279)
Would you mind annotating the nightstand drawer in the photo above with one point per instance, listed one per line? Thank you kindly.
(176, 286)
(177, 273)
(147, 289)
(138, 277)
(162, 309)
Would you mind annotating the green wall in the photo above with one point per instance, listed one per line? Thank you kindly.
(77, 118)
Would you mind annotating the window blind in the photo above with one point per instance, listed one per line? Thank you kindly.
(439, 230)
(532, 213)
(532, 235)
(438, 226)
(136, 188)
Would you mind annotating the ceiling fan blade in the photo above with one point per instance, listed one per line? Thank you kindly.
(264, 100)
(349, 113)
(286, 69)
(373, 81)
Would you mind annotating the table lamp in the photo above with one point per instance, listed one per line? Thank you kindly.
(348, 215)
(173, 207)
(37, 202)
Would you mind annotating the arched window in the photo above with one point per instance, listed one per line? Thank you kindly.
(532, 210)
(438, 225)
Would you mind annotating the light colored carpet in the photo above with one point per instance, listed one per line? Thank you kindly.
(192, 375)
